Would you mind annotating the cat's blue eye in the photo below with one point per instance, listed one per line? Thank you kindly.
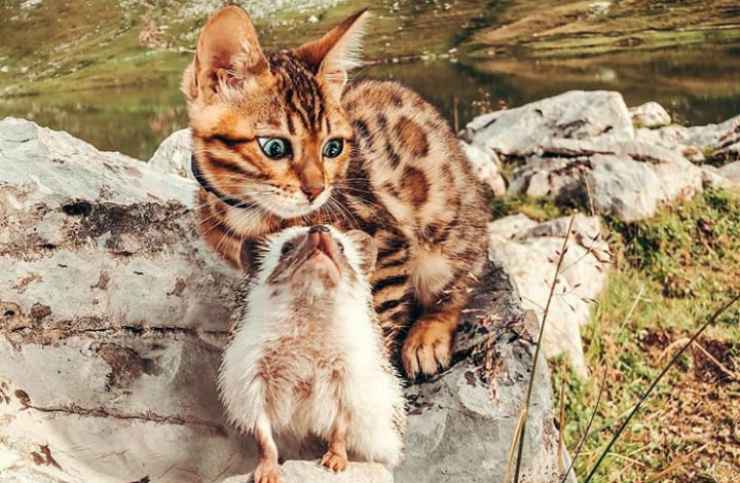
(274, 148)
(333, 148)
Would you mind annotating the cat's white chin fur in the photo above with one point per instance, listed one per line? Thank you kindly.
(293, 206)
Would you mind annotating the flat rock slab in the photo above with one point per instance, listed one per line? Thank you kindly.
(313, 472)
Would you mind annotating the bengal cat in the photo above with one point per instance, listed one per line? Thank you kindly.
(282, 139)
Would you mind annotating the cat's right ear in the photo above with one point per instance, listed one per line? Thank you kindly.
(228, 56)
(336, 53)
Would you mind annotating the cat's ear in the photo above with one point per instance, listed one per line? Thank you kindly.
(366, 248)
(337, 52)
(228, 55)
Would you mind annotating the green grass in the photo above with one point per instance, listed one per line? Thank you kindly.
(685, 262)
(538, 209)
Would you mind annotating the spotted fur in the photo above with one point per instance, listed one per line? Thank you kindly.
(401, 177)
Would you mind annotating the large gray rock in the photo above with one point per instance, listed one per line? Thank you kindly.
(572, 115)
(580, 148)
(113, 316)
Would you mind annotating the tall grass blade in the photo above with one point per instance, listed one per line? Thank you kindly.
(588, 426)
(561, 257)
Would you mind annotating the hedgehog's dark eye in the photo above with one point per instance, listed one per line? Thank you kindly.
(275, 148)
(341, 246)
(333, 148)
(287, 248)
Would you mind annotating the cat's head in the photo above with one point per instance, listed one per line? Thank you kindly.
(270, 129)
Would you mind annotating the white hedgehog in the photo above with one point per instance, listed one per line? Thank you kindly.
(308, 357)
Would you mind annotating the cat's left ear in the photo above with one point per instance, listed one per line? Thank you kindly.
(336, 53)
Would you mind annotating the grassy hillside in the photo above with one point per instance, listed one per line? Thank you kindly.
(575, 27)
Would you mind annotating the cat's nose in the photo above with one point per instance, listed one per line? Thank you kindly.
(312, 191)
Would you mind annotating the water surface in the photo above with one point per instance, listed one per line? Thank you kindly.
(698, 86)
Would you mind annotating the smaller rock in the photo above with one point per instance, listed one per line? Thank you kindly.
(714, 137)
(486, 166)
(313, 472)
(510, 226)
(624, 188)
(532, 268)
(173, 155)
(693, 154)
(650, 115)
(731, 172)
(712, 178)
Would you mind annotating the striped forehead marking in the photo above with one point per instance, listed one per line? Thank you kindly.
(300, 92)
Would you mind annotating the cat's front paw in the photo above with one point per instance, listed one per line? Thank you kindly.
(427, 348)
(267, 472)
(334, 461)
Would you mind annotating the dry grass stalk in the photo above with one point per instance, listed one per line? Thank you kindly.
(561, 257)
(661, 475)
(514, 443)
(729, 373)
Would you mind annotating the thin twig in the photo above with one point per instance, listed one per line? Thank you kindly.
(634, 305)
(561, 422)
(680, 461)
(561, 257)
(655, 382)
(731, 374)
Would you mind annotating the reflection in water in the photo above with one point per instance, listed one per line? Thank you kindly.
(698, 87)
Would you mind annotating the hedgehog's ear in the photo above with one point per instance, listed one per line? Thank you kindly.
(336, 53)
(228, 55)
(366, 248)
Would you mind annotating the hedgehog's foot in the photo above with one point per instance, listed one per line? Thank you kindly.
(335, 461)
(335, 458)
(267, 472)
